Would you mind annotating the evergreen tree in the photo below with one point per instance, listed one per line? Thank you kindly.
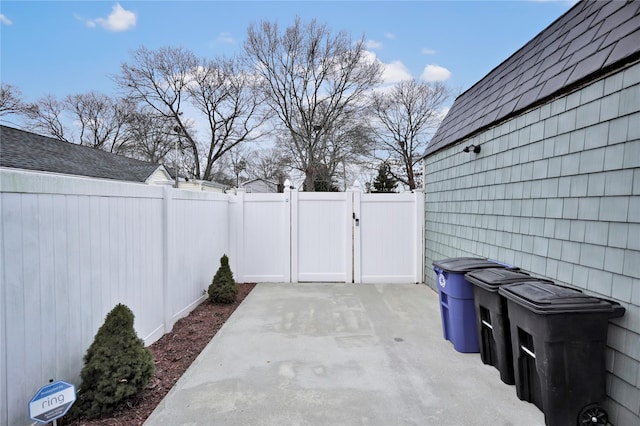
(324, 184)
(323, 181)
(117, 365)
(223, 288)
(385, 182)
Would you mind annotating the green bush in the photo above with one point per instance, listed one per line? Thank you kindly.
(116, 366)
(223, 288)
(385, 182)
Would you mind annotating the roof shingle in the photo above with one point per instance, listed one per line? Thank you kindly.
(592, 38)
(24, 150)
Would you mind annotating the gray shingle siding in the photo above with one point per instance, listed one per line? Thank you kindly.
(562, 203)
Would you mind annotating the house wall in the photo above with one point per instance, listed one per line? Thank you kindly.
(555, 191)
(257, 186)
(160, 177)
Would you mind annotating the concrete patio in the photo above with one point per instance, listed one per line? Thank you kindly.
(339, 354)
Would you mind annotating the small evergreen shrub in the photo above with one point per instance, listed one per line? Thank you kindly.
(384, 181)
(117, 365)
(223, 288)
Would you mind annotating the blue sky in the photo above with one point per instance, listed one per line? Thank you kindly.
(69, 47)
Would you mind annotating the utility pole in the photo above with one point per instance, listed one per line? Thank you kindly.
(175, 161)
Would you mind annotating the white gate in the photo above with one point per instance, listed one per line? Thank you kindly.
(389, 239)
(347, 237)
(321, 246)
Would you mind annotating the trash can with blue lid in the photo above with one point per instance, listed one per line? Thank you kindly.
(558, 338)
(456, 300)
(492, 318)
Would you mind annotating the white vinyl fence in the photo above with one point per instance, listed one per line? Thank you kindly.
(72, 248)
(329, 237)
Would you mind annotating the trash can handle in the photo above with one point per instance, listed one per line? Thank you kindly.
(528, 351)
(618, 310)
(506, 265)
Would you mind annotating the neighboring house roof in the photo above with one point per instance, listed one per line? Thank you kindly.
(591, 39)
(268, 181)
(24, 150)
(202, 185)
(261, 185)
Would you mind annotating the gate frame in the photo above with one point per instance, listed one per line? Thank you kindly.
(288, 266)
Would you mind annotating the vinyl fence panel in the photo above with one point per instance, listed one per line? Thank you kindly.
(198, 238)
(390, 234)
(322, 243)
(264, 232)
(72, 248)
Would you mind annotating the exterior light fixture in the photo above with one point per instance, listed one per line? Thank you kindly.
(474, 148)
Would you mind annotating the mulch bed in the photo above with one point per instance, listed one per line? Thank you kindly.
(173, 354)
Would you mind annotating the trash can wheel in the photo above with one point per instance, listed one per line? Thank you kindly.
(593, 415)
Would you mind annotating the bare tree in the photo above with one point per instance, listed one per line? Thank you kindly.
(47, 117)
(270, 164)
(101, 121)
(346, 143)
(152, 135)
(90, 119)
(217, 96)
(313, 80)
(236, 161)
(241, 163)
(11, 101)
(406, 116)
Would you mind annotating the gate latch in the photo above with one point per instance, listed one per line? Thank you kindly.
(357, 220)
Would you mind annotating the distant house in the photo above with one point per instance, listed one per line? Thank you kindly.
(185, 182)
(24, 150)
(260, 185)
(538, 165)
(202, 185)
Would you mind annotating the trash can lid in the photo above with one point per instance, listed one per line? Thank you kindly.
(465, 264)
(547, 298)
(490, 279)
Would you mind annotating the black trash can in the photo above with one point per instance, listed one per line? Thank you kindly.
(558, 338)
(456, 300)
(492, 318)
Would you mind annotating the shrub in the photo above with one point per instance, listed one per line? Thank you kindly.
(116, 366)
(223, 288)
(385, 182)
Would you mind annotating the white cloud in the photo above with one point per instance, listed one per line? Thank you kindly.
(390, 36)
(225, 38)
(395, 71)
(5, 20)
(427, 51)
(87, 22)
(392, 72)
(120, 19)
(441, 114)
(372, 45)
(435, 73)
